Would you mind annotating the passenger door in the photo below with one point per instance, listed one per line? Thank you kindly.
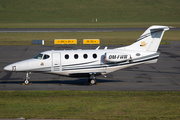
(56, 61)
(103, 63)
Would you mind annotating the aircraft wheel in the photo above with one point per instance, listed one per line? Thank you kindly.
(26, 81)
(92, 82)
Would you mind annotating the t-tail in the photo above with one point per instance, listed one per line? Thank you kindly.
(149, 41)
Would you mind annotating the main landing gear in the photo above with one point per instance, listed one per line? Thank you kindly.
(92, 80)
(26, 81)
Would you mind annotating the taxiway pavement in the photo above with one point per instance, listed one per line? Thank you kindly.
(161, 76)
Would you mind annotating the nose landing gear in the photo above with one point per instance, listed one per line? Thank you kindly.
(26, 81)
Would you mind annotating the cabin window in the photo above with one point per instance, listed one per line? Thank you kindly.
(76, 56)
(66, 56)
(39, 56)
(94, 55)
(46, 56)
(85, 56)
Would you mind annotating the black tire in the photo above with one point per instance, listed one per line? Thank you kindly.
(92, 82)
(26, 81)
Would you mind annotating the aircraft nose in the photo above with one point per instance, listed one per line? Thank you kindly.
(10, 68)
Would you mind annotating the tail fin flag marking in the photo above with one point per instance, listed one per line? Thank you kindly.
(143, 44)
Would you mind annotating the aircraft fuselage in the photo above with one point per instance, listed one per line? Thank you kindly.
(72, 62)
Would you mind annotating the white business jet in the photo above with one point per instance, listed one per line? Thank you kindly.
(91, 63)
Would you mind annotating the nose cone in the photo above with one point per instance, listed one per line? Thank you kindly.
(8, 68)
(18, 66)
(11, 67)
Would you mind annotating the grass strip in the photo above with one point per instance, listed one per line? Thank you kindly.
(107, 38)
(90, 104)
(89, 10)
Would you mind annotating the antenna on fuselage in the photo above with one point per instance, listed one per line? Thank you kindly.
(97, 47)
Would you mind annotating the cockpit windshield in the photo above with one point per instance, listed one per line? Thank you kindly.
(39, 56)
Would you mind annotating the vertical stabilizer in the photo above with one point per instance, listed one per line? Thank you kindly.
(150, 39)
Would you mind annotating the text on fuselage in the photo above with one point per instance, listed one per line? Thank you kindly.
(118, 56)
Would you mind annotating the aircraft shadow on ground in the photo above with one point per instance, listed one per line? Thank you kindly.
(80, 82)
(85, 81)
(151, 71)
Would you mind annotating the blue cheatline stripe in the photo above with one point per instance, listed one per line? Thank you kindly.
(110, 65)
(80, 63)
